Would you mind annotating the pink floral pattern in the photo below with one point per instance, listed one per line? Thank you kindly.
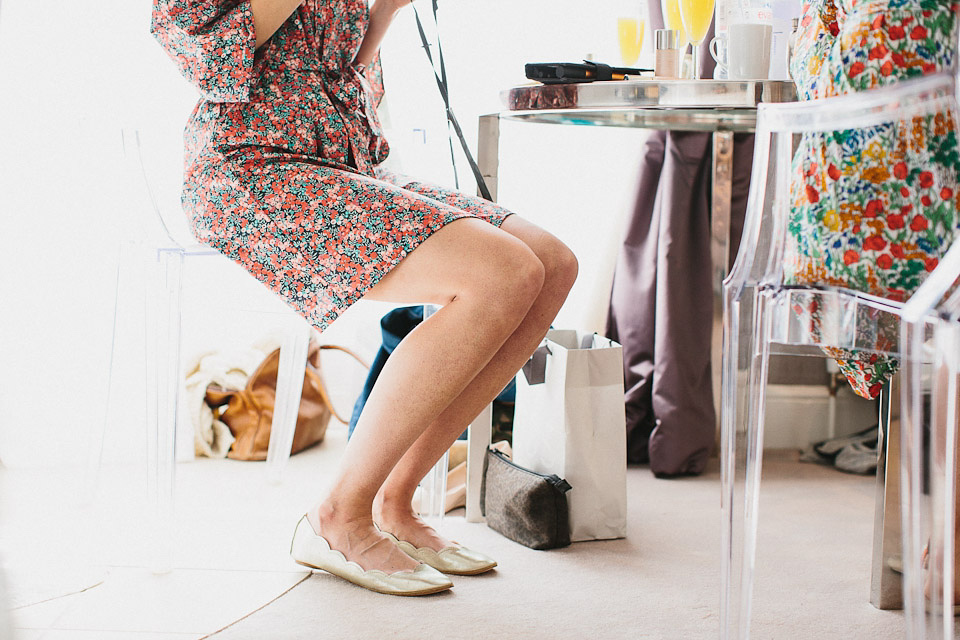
(282, 152)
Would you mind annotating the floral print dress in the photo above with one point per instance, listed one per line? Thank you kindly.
(873, 209)
(282, 152)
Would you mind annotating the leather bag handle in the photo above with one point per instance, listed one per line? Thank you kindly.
(346, 351)
(319, 381)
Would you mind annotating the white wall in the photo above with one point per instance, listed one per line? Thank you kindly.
(74, 72)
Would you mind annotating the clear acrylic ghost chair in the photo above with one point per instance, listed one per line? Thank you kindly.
(930, 335)
(763, 316)
(160, 258)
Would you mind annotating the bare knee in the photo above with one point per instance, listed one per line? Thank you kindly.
(508, 282)
(560, 265)
(523, 276)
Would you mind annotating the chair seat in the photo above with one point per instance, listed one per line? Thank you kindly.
(834, 318)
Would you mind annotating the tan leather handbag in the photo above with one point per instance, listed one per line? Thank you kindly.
(249, 412)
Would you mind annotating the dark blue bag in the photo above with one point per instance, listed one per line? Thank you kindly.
(395, 326)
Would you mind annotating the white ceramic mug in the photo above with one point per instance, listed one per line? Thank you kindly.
(747, 47)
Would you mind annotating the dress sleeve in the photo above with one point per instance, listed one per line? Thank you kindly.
(213, 43)
(374, 77)
(816, 35)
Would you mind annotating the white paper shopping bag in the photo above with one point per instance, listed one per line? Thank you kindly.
(569, 421)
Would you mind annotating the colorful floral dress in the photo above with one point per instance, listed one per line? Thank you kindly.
(873, 209)
(282, 152)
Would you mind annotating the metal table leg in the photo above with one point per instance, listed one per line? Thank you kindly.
(720, 205)
(886, 589)
(479, 432)
(720, 246)
(488, 151)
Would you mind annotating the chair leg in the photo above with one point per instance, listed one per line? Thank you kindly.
(886, 590)
(911, 478)
(942, 476)
(731, 492)
(98, 431)
(744, 375)
(290, 376)
(433, 491)
(949, 387)
(928, 479)
(163, 299)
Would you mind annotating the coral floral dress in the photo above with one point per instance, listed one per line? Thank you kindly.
(282, 151)
(873, 209)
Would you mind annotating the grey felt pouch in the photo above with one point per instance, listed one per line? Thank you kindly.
(524, 506)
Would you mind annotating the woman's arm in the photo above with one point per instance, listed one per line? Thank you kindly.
(381, 15)
(268, 15)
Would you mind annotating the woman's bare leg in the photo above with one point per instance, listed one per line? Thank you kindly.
(392, 508)
(486, 280)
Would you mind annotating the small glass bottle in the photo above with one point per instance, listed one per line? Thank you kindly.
(667, 63)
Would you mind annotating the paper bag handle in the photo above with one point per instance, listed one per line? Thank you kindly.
(535, 369)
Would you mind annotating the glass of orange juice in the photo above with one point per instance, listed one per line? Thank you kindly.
(630, 35)
(672, 20)
(696, 16)
(631, 24)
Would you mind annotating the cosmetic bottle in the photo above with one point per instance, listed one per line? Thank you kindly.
(667, 63)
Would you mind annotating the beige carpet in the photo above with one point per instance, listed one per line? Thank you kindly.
(813, 573)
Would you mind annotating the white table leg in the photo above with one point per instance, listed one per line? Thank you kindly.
(478, 440)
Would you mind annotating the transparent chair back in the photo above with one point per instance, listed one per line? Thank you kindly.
(763, 315)
(155, 256)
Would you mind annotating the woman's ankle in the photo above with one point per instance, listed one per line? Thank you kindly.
(393, 506)
(330, 514)
(352, 533)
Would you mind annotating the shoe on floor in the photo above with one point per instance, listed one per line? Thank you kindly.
(456, 560)
(312, 550)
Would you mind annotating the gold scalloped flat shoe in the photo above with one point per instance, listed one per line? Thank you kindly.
(458, 560)
(312, 550)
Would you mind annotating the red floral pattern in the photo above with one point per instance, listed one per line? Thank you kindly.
(282, 153)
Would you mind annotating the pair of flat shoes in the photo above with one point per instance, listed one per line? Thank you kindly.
(312, 550)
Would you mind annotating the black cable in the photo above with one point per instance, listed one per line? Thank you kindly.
(451, 118)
